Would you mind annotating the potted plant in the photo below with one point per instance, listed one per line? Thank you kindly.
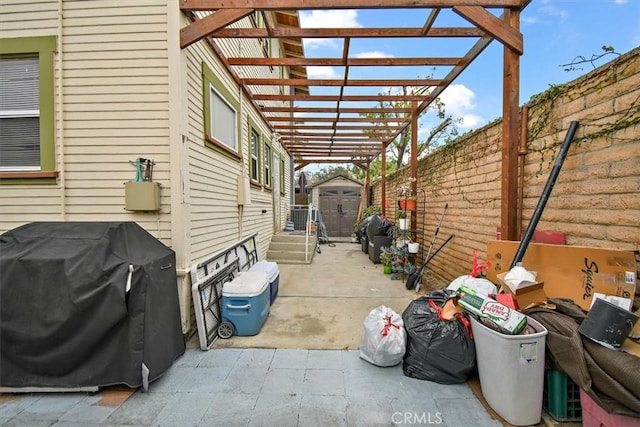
(406, 196)
(386, 258)
(403, 221)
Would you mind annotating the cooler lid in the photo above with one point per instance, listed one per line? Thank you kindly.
(248, 283)
(269, 267)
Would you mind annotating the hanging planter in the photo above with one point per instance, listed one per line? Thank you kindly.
(403, 223)
(413, 247)
(407, 204)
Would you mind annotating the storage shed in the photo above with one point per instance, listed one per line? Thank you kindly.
(338, 199)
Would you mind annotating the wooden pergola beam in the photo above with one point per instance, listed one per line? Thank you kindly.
(338, 119)
(338, 82)
(334, 98)
(338, 62)
(332, 33)
(209, 24)
(498, 28)
(318, 127)
(346, 110)
(192, 5)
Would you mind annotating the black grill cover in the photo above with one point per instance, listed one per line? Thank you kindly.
(66, 318)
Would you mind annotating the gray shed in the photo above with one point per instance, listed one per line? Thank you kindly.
(338, 199)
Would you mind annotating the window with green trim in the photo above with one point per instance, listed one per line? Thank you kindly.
(267, 165)
(282, 172)
(27, 132)
(220, 114)
(223, 120)
(255, 156)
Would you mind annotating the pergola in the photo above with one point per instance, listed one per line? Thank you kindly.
(334, 132)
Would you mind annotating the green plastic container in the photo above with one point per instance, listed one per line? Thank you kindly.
(561, 398)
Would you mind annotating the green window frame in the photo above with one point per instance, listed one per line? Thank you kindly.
(282, 180)
(215, 94)
(254, 155)
(44, 48)
(268, 165)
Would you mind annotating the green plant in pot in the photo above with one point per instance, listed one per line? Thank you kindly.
(386, 258)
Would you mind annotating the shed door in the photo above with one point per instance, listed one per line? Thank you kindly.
(339, 207)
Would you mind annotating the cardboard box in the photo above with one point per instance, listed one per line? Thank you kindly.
(507, 320)
(574, 272)
(532, 294)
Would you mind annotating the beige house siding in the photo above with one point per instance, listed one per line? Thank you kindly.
(20, 18)
(217, 220)
(124, 89)
(20, 204)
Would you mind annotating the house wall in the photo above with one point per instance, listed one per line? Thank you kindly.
(124, 89)
(217, 220)
(596, 199)
(111, 104)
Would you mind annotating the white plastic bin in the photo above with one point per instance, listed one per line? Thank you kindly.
(511, 370)
(272, 270)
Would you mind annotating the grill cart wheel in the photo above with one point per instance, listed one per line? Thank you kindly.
(225, 330)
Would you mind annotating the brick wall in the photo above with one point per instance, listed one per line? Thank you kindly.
(596, 199)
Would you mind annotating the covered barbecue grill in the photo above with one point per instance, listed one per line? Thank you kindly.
(86, 304)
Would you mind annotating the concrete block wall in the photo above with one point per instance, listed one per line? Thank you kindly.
(596, 199)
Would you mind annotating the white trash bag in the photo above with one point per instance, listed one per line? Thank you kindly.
(385, 339)
(479, 284)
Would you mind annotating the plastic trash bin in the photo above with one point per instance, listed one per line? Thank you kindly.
(511, 370)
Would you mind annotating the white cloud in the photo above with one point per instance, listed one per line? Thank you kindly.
(373, 54)
(530, 20)
(554, 12)
(621, 1)
(459, 102)
(320, 72)
(327, 19)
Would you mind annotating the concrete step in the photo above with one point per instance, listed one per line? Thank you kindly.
(288, 248)
(291, 246)
(291, 236)
(285, 256)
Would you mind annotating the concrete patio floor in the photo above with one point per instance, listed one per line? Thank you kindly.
(303, 369)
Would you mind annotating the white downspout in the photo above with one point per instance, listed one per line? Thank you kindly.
(243, 169)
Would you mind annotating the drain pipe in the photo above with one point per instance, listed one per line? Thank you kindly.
(522, 153)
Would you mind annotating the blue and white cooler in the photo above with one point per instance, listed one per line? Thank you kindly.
(245, 304)
(273, 272)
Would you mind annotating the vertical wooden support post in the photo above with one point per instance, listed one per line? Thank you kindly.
(510, 135)
(414, 159)
(383, 180)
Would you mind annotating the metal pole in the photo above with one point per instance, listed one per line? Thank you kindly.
(537, 213)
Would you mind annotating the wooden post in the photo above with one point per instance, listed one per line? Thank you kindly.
(510, 135)
(383, 179)
(414, 159)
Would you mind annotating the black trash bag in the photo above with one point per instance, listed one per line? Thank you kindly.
(378, 226)
(437, 350)
(362, 229)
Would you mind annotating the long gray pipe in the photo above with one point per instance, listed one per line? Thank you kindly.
(542, 202)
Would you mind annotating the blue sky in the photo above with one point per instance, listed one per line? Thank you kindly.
(555, 32)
